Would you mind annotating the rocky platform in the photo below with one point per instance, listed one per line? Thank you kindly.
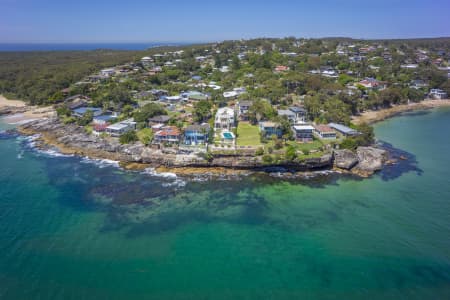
(72, 139)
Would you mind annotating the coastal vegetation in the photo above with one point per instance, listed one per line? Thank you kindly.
(274, 100)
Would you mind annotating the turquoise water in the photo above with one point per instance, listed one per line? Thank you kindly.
(75, 229)
(227, 135)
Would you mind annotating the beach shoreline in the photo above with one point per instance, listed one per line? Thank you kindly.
(374, 116)
(17, 112)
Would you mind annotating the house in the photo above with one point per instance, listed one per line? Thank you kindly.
(194, 96)
(418, 84)
(269, 129)
(409, 66)
(196, 134)
(81, 111)
(300, 114)
(224, 69)
(279, 69)
(243, 108)
(99, 128)
(438, 94)
(120, 128)
(328, 72)
(96, 78)
(171, 99)
(344, 130)
(288, 114)
(371, 83)
(231, 94)
(162, 119)
(224, 118)
(303, 133)
(235, 92)
(146, 60)
(108, 72)
(324, 132)
(76, 101)
(167, 135)
(104, 118)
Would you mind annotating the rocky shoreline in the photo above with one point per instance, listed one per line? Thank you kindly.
(72, 139)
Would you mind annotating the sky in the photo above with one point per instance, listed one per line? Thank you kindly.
(96, 21)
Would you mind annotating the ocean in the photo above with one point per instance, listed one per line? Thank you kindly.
(74, 228)
(22, 47)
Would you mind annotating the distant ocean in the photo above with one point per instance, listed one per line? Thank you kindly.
(81, 46)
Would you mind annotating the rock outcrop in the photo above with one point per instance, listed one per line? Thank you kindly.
(345, 159)
(72, 139)
(370, 160)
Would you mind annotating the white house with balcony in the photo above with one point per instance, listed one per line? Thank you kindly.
(225, 119)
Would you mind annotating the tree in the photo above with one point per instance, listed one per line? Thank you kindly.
(128, 137)
(260, 110)
(367, 135)
(86, 118)
(291, 153)
(202, 110)
(145, 136)
(235, 63)
(390, 96)
(148, 111)
(63, 111)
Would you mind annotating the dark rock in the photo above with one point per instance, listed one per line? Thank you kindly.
(370, 160)
(345, 159)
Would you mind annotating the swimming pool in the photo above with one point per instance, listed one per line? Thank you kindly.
(228, 135)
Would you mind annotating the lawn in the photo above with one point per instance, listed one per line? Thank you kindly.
(248, 135)
(314, 145)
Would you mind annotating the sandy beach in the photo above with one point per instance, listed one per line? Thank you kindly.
(25, 113)
(371, 117)
(11, 103)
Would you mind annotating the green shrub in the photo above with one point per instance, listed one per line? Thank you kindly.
(291, 153)
(69, 120)
(145, 136)
(128, 137)
(208, 156)
(86, 118)
(88, 129)
(267, 159)
(349, 143)
(259, 151)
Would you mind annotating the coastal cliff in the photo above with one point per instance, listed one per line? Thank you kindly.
(72, 139)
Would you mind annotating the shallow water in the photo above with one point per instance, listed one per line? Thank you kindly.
(71, 228)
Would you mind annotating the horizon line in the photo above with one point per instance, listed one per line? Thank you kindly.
(222, 40)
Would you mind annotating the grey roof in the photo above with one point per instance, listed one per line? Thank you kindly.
(197, 127)
(344, 129)
(160, 119)
(297, 109)
(246, 103)
(285, 112)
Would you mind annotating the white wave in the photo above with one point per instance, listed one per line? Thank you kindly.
(53, 153)
(101, 163)
(173, 179)
(30, 141)
(177, 183)
(152, 171)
